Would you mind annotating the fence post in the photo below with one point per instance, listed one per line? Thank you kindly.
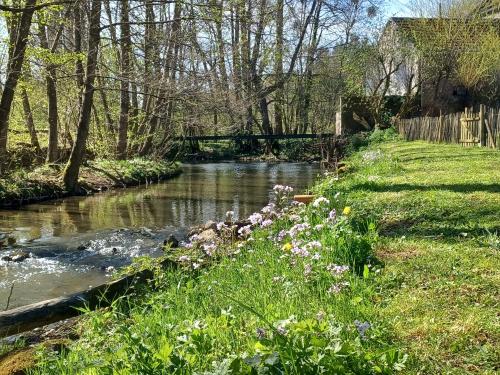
(482, 126)
(441, 126)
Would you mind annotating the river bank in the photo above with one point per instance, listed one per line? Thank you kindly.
(396, 258)
(45, 182)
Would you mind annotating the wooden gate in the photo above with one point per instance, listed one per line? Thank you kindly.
(476, 129)
(470, 129)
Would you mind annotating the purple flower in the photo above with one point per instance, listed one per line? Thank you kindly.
(209, 249)
(332, 216)
(261, 333)
(299, 251)
(266, 223)
(255, 218)
(282, 233)
(337, 270)
(362, 328)
(297, 228)
(221, 226)
(282, 189)
(337, 288)
(194, 238)
(245, 231)
(307, 270)
(320, 315)
(269, 210)
(282, 330)
(183, 258)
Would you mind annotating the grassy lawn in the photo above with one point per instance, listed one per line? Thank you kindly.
(304, 293)
(438, 212)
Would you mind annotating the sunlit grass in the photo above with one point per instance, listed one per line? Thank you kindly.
(437, 207)
(435, 298)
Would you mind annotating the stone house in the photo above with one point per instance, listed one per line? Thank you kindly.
(441, 92)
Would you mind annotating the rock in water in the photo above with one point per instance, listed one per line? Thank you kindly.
(208, 235)
(16, 257)
(171, 241)
(210, 225)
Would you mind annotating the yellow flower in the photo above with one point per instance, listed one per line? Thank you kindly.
(347, 210)
(287, 247)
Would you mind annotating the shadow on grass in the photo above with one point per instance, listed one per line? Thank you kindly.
(445, 232)
(436, 157)
(457, 188)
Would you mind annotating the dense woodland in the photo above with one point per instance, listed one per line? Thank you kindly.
(122, 78)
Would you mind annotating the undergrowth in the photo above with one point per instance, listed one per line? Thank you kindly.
(393, 268)
(291, 294)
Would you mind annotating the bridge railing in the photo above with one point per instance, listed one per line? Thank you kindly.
(251, 137)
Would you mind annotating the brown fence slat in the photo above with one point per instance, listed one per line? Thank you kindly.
(466, 128)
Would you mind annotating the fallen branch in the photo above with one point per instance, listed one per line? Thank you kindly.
(25, 318)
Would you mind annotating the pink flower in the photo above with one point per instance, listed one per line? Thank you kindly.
(255, 218)
(337, 270)
(337, 288)
(266, 223)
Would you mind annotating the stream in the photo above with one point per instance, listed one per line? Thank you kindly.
(76, 242)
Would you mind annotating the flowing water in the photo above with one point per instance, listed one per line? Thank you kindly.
(73, 242)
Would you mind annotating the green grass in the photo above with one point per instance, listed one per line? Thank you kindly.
(438, 212)
(257, 309)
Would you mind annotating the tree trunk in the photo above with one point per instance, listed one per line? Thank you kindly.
(77, 36)
(121, 149)
(245, 65)
(30, 123)
(311, 55)
(50, 80)
(278, 69)
(14, 68)
(72, 169)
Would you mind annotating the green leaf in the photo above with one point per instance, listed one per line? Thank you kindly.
(165, 352)
(366, 272)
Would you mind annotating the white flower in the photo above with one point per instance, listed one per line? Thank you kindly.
(313, 245)
(320, 201)
(318, 227)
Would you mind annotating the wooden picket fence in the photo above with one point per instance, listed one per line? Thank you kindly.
(467, 128)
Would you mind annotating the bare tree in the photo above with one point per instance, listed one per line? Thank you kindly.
(72, 169)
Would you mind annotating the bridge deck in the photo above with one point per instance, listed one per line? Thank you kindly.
(253, 137)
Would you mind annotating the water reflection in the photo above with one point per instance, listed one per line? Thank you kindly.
(54, 231)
